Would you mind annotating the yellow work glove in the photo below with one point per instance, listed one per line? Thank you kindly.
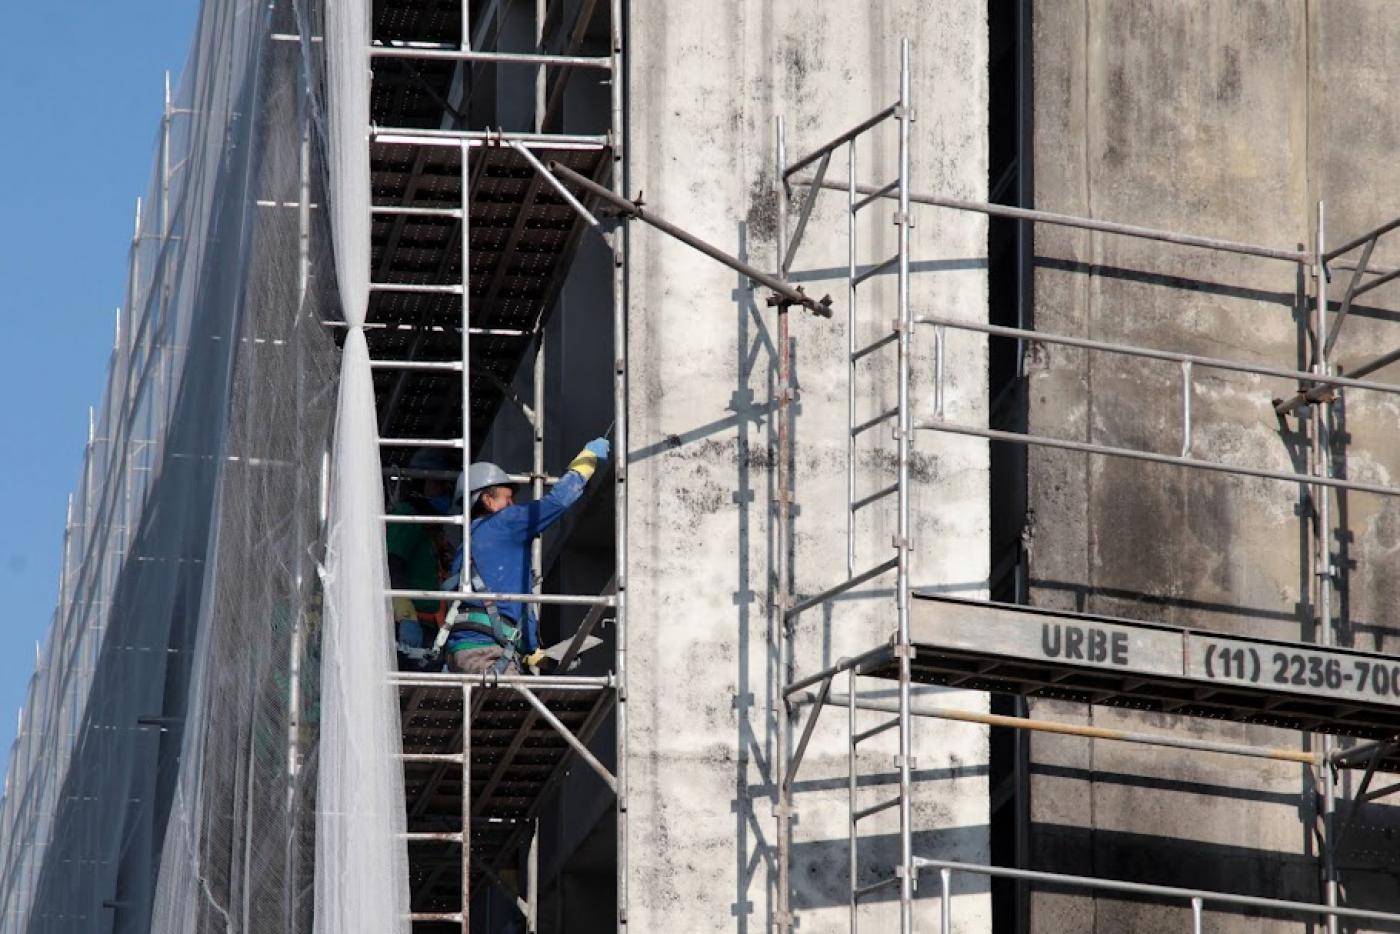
(403, 609)
(535, 657)
(594, 454)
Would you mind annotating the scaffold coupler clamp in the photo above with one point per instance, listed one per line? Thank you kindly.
(820, 307)
(626, 213)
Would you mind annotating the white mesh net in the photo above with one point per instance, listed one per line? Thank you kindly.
(208, 742)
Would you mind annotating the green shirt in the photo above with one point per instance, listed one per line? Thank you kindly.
(416, 546)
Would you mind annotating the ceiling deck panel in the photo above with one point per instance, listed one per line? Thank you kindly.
(521, 239)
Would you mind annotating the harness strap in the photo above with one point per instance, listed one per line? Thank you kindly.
(501, 632)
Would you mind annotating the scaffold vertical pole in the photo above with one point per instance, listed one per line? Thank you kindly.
(541, 71)
(618, 243)
(852, 831)
(1322, 528)
(466, 809)
(906, 744)
(532, 881)
(464, 575)
(850, 357)
(780, 559)
(537, 457)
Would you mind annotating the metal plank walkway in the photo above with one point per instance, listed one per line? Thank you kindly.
(1147, 666)
(516, 759)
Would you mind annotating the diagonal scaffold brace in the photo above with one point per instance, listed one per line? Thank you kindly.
(783, 294)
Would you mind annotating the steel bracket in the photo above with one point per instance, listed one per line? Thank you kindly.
(903, 219)
(913, 762)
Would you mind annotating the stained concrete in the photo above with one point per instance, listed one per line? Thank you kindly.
(705, 83)
(1227, 120)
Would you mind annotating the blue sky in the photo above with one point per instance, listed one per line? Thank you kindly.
(80, 100)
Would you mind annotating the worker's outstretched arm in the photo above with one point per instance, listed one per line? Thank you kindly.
(541, 514)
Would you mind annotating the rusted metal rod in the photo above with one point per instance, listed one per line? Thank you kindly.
(1067, 729)
(632, 210)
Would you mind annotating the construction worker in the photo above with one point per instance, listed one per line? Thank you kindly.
(419, 554)
(503, 636)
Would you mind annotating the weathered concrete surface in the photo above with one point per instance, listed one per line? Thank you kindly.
(705, 83)
(1228, 120)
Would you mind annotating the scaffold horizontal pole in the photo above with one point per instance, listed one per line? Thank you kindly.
(446, 679)
(421, 443)
(395, 519)
(1214, 363)
(848, 584)
(1084, 447)
(412, 136)
(853, 664)
(427, 366)
(1372, 234)
(406, 211)
(845, 137)
(550, 599)
(500, 58)
(1299, 257)
(1161, 891)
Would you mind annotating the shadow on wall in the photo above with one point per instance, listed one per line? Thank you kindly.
(756, 355)
(1185, 283)
(827, 863)
(1238, 870)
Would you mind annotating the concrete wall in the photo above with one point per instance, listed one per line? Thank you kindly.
(705, 83)
(1228, 120)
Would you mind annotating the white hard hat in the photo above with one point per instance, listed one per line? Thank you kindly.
(480, 476)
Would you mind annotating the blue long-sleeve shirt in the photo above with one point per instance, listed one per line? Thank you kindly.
(501, 553)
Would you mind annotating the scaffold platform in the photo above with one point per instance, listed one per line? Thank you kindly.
(1115, 662)
(516, 759)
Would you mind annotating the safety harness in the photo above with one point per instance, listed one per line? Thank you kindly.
(490, 624)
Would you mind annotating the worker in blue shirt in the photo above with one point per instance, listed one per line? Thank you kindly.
(503, 636)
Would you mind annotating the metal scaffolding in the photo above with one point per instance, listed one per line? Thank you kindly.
(920, 648)
(482, 755)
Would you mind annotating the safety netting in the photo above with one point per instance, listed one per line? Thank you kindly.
(209, 739)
